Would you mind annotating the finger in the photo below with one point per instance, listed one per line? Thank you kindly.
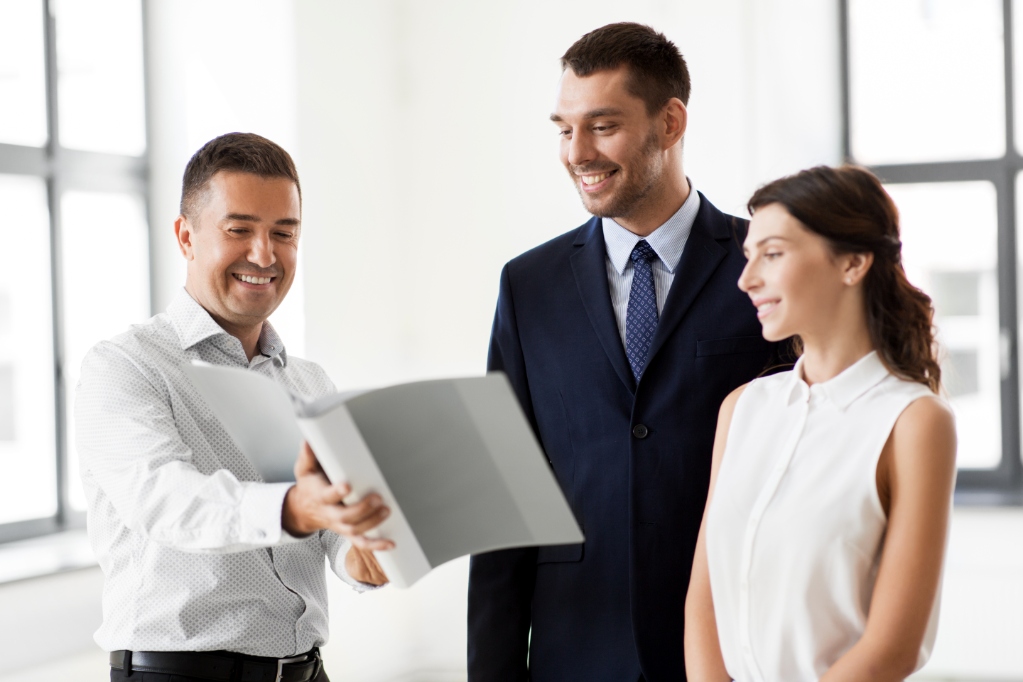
(365, 524)
(360, 511)
(372, 544)
(343, 489)
(332, 494)
(306, 463)
(355, 510)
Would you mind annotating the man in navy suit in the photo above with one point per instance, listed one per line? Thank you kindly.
(621, 339)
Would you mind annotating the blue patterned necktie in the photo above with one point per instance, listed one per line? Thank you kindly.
(641, 316)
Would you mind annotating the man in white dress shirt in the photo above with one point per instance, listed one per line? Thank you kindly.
(210, 573)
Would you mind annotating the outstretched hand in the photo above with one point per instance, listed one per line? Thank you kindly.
(313, 503)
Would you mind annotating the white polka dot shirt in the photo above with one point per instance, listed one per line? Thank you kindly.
(187, 535)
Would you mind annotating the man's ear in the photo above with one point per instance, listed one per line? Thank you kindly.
(675, 117)
(184, 231)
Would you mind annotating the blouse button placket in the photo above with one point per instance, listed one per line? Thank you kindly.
(802, 408)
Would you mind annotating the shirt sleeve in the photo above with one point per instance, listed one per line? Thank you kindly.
(336, 549)
(131, 450)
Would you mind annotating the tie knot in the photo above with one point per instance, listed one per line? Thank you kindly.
(642, 252)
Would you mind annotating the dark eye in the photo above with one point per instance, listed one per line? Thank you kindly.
(565, 132)
(771, 255)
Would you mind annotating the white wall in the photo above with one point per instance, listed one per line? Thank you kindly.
(215, 67)
(429, 160)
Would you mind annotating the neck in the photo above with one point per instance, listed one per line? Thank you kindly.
(247, 334)
(827, 356)
(839, 339)
(659, 205)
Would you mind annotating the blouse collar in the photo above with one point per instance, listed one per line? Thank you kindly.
(846, 386)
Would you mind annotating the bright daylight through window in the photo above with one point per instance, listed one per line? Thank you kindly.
(930, 92)
(73, 186)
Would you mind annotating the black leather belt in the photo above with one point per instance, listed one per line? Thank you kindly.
(220, 666)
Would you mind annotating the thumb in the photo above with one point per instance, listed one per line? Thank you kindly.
(306, 463)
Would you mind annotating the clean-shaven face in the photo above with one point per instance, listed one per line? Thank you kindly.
(791, 276)
(609, 144)
(243, 247)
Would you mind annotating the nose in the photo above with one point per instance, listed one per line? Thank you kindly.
(580, 149)
(748, 279)
(261, 251)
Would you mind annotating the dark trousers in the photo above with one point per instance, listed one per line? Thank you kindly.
(138, 676)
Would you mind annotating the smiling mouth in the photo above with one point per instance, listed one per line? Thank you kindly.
(765, 308)
(252, 279)
(594, 179)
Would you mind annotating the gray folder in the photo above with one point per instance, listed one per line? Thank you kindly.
(454, 459)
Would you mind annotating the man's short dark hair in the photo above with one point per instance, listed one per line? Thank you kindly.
(238, 152)
(656, 67)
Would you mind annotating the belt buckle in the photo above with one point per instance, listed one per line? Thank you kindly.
(281, 662)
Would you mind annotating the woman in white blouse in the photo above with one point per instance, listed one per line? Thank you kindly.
(821, 548)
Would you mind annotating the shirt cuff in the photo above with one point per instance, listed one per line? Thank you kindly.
(342, 572)
(261, 510)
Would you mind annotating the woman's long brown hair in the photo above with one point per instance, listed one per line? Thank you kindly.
(850, 209)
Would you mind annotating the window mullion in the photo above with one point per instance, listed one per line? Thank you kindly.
(55, 187)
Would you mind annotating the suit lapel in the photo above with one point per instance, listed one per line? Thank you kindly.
(700, 259)
(590, 270)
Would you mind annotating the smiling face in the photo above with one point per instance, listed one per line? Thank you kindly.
(242, 248)
(610, 146)
(795, 281)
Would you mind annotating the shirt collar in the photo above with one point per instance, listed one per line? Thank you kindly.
(667, 241)
(194, 324)
(271, 346)
(844, 388)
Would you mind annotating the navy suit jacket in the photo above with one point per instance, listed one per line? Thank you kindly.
(633, 460)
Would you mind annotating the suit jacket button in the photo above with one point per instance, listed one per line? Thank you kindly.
(640, 431)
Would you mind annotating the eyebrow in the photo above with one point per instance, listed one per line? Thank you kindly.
(773, 236)
(746, 249)
(595, 113)
(249, 218)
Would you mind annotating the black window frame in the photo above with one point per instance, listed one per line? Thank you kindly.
(62, 170)
(1002, 485)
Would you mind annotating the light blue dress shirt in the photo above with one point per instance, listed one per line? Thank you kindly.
(667, 241)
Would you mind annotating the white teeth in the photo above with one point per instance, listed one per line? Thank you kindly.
(254, 280)
(594, 179)
(766, 306)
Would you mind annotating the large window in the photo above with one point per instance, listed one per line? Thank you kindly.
(931, 107)
(73, 204)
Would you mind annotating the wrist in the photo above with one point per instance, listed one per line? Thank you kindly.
(291, 519)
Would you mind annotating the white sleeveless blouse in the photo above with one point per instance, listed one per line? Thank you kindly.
(795, 528)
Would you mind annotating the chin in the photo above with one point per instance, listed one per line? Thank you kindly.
(774, 333)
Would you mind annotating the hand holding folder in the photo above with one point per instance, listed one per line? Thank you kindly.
(454, 460)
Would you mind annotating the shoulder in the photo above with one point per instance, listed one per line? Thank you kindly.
(925, 431)
(721, 225)
(140, 345)
(727, 408)
(553, 250)
(927, 413)
(310, 378)
(768, 385)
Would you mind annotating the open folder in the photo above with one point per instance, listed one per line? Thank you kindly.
(454, 459)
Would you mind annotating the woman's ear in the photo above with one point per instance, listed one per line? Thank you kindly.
(855, 267)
